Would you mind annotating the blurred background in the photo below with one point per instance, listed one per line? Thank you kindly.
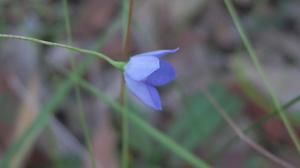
(34, 80)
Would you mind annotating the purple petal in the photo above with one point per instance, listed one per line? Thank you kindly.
(163, 75)
(158, 53)
(146, 93)
(139, 68)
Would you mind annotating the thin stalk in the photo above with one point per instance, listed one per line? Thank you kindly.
(46, 112)
(82, 117)
(125, 129)
(242, 136)
(53, 148)
(148, 129)
(117, 64)
(84, 126)
(259, 69)
(256, 124)
(41, 119)
(128, 9)
(67, 21)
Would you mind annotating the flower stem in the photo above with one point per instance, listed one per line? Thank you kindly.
(127, 11)
(47, 111)
(162, 138)
(259, 69)
(117, 64)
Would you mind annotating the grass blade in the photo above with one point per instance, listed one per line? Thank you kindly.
(127, 15)
(159, 136)
(82, 117)
(259, 69)
(41, 120)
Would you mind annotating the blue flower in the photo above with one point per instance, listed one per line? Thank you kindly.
(145, 71)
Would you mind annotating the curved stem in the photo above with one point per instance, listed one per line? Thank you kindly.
(117, 64)
(47, 111)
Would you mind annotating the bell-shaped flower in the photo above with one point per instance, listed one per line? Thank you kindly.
(145, 71)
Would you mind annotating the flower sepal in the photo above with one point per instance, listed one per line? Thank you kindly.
(120, 65)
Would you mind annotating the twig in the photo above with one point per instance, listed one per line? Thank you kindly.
(258, 67)
(257, 124)
(242, 136)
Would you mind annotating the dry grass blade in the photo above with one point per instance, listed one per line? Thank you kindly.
(242, 136)
(28, 111)
(104, 142)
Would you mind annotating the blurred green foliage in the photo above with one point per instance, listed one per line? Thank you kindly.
(198, 121)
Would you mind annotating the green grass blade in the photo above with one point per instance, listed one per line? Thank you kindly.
(41, 120)
(159, 136)
(82, 117)
(67, 21)
(254, 125)
(127, 16)
(259, 69)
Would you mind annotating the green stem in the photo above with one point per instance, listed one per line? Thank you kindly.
(125, 137)
(242, 136)
(82, 117)
(139, 123)
(258, 67)
(46, 112)
(117, 64)
(42, 117)
(269, 115)
(127, 11)
(256, 124)
(84, 126)
(67, 21)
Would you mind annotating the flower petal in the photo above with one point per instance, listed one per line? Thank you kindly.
(139, 68)
(163, 75)
(158, 53)
(146, 93)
